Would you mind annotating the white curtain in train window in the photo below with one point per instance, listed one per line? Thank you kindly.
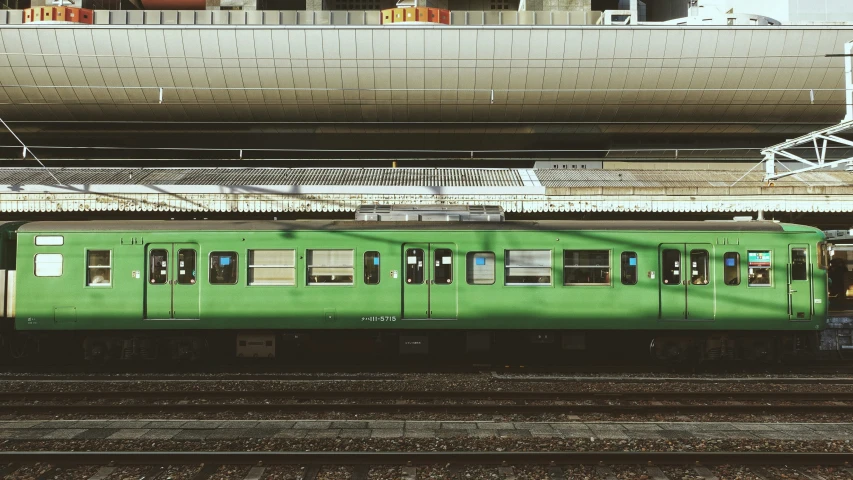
(48, 265)
(330, 266)
(528, 267)
(272, 267)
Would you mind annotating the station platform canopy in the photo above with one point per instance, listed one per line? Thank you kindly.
(309, 89)
(289, 190)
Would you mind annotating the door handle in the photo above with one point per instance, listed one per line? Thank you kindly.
(792, 291)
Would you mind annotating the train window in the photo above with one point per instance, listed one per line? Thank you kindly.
(480, 268)
(586, 267)
(158, 266)
(48, 264)
(272, 267)
(799, 265)
(49, 240)
(731, 268)
(443, 274)
(527, 267)
(414, 266)
(186, 266)
(371, 268)
(330, 267)
(628, 266)
(699, 267)
(759, 264)
(671, 265)
(223, 268)
(99, 268)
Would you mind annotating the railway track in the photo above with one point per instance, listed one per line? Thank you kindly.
(359, 464)
(193, 402)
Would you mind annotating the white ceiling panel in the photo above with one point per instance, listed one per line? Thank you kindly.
(744, 62)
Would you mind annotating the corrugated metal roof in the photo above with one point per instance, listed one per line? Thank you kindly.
(684, 178)
(397, 177)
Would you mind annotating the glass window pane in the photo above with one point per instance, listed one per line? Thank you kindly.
(699, 267)
(480, 268)
(628, 266)
(272, 267)
(48, 265)
(443, 266)
(414, 266)
(671, 264)
(272, 276)
(731, 268)
(799, 265)
(186, 266)
(759, 263)
(586, 267)
(158, 266)
(223, 268)
(371, 268)
(330, 267)
(528, 267)
(98, 271)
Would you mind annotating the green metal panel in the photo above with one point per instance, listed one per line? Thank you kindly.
(443, 290)
(687, 284)
(701, 284)
(171, 290)
(799, 285)
(158, 286)
(297, 305)
(673, 286)
(185, 287)
(416, 279)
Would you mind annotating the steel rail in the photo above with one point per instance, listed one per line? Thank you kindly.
(426, 395)
(420, 458)
(192, 409)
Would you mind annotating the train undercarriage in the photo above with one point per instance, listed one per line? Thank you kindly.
(360, 346)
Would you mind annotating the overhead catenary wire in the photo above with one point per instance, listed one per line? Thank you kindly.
(27, 149)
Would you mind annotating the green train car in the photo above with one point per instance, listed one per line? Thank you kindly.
(175, 289)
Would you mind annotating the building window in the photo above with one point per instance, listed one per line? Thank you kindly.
(272, 267)
(48, 265)
(699, 267)
(628, 266)
(443, 274)
(527, 267)
(586, 267)
(480, 268)
(731, 268)
(759, 263)
(158, 266)
(327, 267)
(223, 268)
(99, 268)
(371, 268)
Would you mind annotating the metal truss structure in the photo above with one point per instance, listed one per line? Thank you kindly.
(820, 140)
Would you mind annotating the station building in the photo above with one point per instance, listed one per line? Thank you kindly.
(567, 107)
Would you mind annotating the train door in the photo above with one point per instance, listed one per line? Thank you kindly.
(171, 287)
(686, 281)
(429, 283)
(799, 285)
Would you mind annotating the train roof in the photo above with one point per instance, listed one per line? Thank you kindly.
(343, 225)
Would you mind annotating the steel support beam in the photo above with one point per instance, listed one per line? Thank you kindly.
(819, 140)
